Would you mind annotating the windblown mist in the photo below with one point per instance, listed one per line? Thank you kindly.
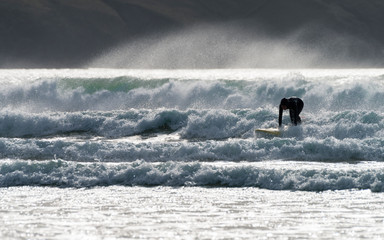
(221, 46)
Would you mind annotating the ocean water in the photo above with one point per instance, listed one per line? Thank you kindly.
(172, 154)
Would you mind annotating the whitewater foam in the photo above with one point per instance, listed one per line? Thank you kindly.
(274, 175)
(58, 125)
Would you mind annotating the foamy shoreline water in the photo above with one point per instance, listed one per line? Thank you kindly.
(188, 213)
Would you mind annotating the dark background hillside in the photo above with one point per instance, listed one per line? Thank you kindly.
(72, 33)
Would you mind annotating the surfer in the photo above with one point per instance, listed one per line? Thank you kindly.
(295, 105)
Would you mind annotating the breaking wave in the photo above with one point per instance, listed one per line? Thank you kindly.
(80, 128)
(281, 176)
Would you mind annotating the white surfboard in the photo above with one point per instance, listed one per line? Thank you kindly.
(269, 132)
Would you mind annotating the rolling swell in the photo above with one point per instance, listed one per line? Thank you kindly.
(190, 124)
(325, 92)
(92, 123)
(276, 177)
(199, 91)
(328, 149)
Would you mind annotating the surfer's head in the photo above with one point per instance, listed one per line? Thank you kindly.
(284, 103)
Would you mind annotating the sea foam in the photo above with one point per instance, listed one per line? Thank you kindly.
(95, 127)
(276, 176)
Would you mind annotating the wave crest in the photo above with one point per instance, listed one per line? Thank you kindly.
(69, 174)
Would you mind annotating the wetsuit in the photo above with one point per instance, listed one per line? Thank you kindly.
(295, 105)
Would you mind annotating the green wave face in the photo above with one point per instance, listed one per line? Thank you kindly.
(118, 84)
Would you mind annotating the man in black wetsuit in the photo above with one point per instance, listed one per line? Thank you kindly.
(295, 105)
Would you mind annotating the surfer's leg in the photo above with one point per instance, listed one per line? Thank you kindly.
(292, 115)
(300, 107)
(298, 120)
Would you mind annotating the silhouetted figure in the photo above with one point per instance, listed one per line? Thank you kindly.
(295, 105)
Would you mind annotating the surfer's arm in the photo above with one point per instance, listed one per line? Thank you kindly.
(280, 115)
